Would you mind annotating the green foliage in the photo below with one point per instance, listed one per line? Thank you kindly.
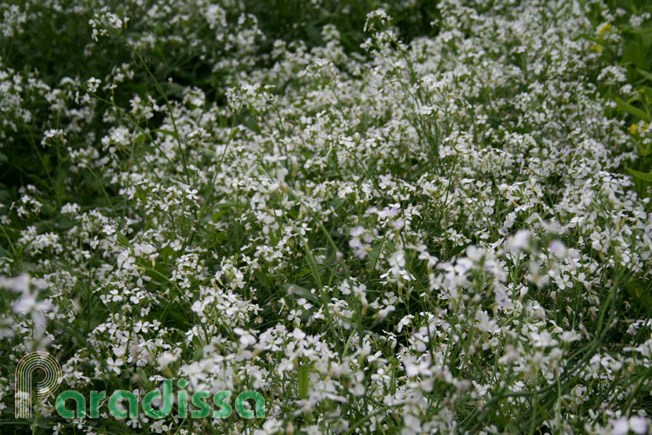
(301, 20)
(425, 234)
(62, 48)
(635, 56)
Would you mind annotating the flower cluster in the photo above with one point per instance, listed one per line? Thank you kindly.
(432, 236)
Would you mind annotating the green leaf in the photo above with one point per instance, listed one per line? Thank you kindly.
(4, 193)
(144, 378)
(641, 296)
(141, 89)
(168, 132)
(373, 256)
(644, 151)
(293, 288)
(210, 152)
(234, 131)
(589, 37)
(632, 110)
(640, 175)
(3, 157)
(646, 41)
(122, 239)
(314, 35)
(304, 381)
(173, 89)
(634, 52)
(224, 207)
(637, 31)
(198, 354)
(645, 74)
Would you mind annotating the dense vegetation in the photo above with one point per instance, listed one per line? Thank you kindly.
(398, 217)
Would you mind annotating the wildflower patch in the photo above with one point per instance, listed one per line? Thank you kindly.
(219, 217)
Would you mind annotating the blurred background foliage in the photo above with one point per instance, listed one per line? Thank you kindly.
(636, 57)
(54, 42)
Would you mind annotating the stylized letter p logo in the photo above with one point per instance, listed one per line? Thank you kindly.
(51, 379)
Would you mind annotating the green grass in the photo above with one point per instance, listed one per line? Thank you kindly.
(422, 226)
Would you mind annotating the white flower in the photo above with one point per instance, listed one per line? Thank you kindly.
(519, 241)
(638, 425)
(52, 135)
(543, 339)
(93, 84)
(557, 248)
(569, 336)
(166, 358)
(114, 365)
